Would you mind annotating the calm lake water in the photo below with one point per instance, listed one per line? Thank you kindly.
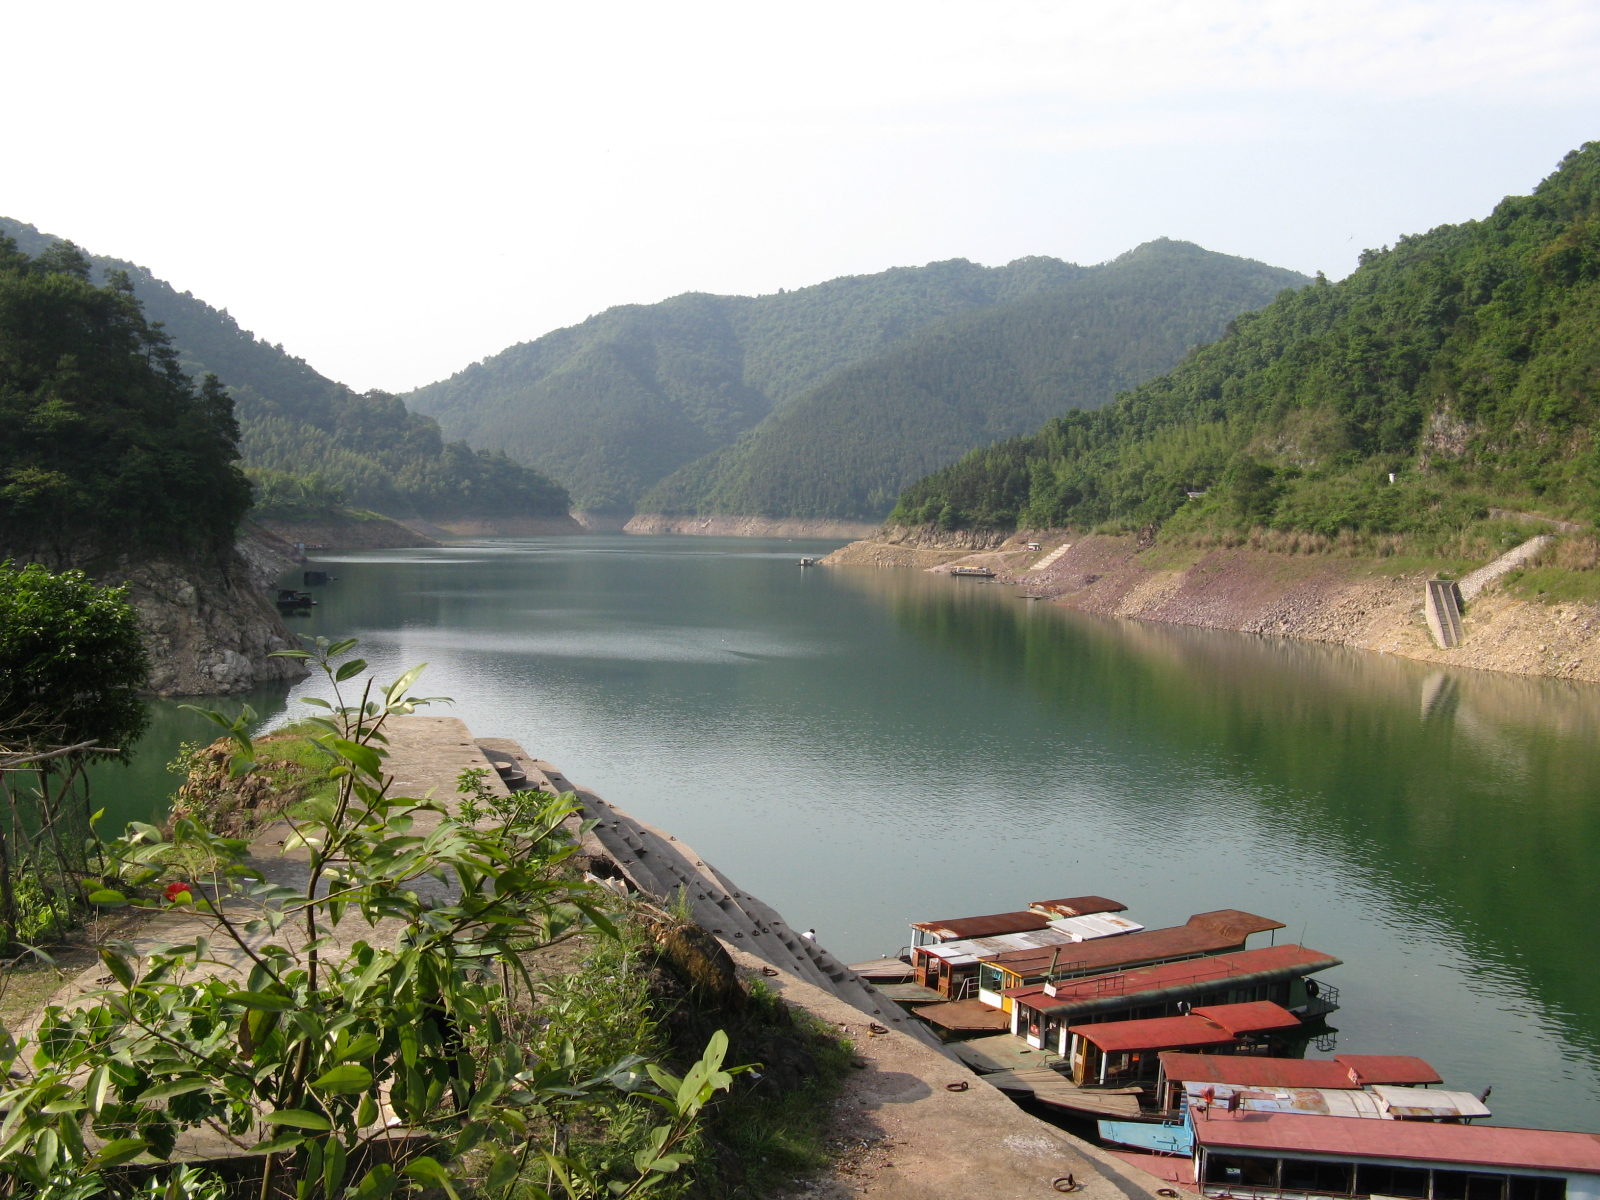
(863, 748)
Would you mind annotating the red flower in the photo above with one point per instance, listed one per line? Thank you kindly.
(176, 890)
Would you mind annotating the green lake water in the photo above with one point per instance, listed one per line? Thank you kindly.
(863, 748)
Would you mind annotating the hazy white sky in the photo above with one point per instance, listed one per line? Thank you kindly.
(395, 190)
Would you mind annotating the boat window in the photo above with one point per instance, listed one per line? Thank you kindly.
(1304, 1175)
(1376, 1179)
(1538, 1187)
(1241, 1168)
(1464, 1185)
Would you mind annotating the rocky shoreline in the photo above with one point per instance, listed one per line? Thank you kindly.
(1319, 597)
(211, 629)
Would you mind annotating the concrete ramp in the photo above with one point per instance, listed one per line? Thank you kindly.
(1049, 560)
(1441, 605)
(1474, 583)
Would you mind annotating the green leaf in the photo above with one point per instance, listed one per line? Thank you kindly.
(365, 758)
(502, 1171)
(299, 1118)
(261, 1001)
(426, 1170)
(344, 1080)
(333, 1167)
(366, 1112)
(716, 1051)
(274, 1145)
(665, 1080)
(340, 647)
(107, 898)
(377, 1183)
(315, 700)
(363, 1047)
(399, 686)
(117, 965)
(116, 1151)
(354, 667)
(95, 1089)
(174, 1087)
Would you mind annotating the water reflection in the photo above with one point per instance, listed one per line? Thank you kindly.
(1464, 799)
(868, 747)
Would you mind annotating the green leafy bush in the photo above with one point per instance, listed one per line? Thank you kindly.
(285, 1029)
(71, 660)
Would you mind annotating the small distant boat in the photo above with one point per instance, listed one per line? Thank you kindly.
(290, 599)
(972, 572)
(809, 562)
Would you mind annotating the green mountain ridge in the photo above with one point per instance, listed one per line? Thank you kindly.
(616, 403)
(1465, 361)
(845, 448)
(366, 449)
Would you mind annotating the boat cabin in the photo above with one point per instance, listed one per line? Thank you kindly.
(1204, 934)
(1382, 1102)
(1039, 914)
(1179, 1070)
(1043, 1014)
(1122, 1053)
(951, 968)
(1268, 1156)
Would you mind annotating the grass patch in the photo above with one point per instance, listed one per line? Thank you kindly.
(1554, 585)
(597, 1000)
(778, 1135)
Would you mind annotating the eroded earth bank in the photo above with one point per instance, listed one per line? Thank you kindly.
(1362, 602)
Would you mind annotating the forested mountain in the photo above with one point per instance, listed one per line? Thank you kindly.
(367, 449)
(616, 403)
(110, 449)
(845, 448)
(1466, 361)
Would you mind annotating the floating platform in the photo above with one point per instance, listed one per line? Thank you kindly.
(884, 970)
(1002, 1052)
(972, 572)
(908, 993)
(965, 1016)
(1055, 1089)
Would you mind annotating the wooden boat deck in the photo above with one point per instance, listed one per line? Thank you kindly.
(884, 970)
(965, 1016)
(908, 993)
(1054, 1088)
(1002, 1052)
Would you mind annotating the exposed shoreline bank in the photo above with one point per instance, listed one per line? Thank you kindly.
(751, 527)
(1318, 597)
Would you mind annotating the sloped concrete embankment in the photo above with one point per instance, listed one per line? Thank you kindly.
(1319, 597)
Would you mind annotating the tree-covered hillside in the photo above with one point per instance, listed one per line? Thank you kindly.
(367, 449)
(1466, 361)
(616, 403)
(845, 448)
(110, 449)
